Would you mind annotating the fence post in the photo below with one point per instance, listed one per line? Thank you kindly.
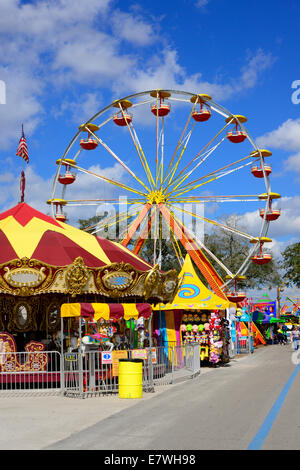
(80, 363)
(150, 368)
(172, 377)
(62, 359)
(196, 357)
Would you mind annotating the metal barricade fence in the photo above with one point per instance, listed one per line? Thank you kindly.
(242, 345)
(86, 375)
(175, 363)
(30, 373)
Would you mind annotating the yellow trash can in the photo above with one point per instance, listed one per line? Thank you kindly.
(130, 378)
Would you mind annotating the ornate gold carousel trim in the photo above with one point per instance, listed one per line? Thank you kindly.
(30, 277)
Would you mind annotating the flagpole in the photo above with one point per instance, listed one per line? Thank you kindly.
(22, 152)
(22, 181)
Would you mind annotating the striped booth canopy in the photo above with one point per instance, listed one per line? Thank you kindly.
(106, 311)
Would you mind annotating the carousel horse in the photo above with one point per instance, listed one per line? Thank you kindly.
(60, 336)
(98, 340)
(120, 342)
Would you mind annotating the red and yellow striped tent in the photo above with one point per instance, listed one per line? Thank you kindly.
(26, 232)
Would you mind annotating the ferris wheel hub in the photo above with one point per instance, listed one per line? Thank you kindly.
(156, 197)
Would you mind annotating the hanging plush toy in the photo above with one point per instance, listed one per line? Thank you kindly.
(215, 341)
(141, 338)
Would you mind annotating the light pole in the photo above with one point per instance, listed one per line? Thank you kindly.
(279, 289)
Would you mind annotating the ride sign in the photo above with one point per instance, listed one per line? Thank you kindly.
(106, 357)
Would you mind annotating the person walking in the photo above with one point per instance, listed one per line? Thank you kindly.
(280, 337)
(295, 338)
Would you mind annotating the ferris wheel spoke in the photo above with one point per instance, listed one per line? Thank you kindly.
(176, 247)
(170, 166)
(116, 157)
(114, 220)
(124, 233)
(208, 271)
(162, 147)
(201, 151)
(135, 224)
(184, 146)
(224, 168)
(98, 224)
(155, 234)
(108, 180)
(214, 178)
(215, 223)
(97, 201)
(157, 141)
(138, 147)
(138, 247)
(192, 187)
(144, 159)
(214, 257)
(214, 199)
(201, 161)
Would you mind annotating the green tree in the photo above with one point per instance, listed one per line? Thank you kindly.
(233, 250)
(291, 264)
(89, 224)
(228, 247)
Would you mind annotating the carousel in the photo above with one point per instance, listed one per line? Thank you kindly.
(45, 263)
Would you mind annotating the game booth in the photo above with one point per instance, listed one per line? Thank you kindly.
(270, 325)
(243, 331)
(196, 316)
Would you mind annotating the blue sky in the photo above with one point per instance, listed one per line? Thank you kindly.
(63, 60)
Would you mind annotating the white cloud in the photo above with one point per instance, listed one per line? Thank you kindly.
(201, 3)
(23, 94)
(286, 137)
(85, 187)
(256, 64)
(133, 29)
(165, 71)
(283, 231)
(80, 109)
(70, 43)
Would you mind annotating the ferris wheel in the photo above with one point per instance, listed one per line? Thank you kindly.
(177, 149)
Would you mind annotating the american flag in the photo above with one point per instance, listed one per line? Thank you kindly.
(22, 148)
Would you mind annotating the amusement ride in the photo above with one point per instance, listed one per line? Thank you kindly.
(181, 163)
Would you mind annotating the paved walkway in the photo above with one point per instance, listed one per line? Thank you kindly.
(225, 408)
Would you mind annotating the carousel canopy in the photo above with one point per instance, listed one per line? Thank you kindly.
(192, 293)
(28, 233)
(106, 311)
